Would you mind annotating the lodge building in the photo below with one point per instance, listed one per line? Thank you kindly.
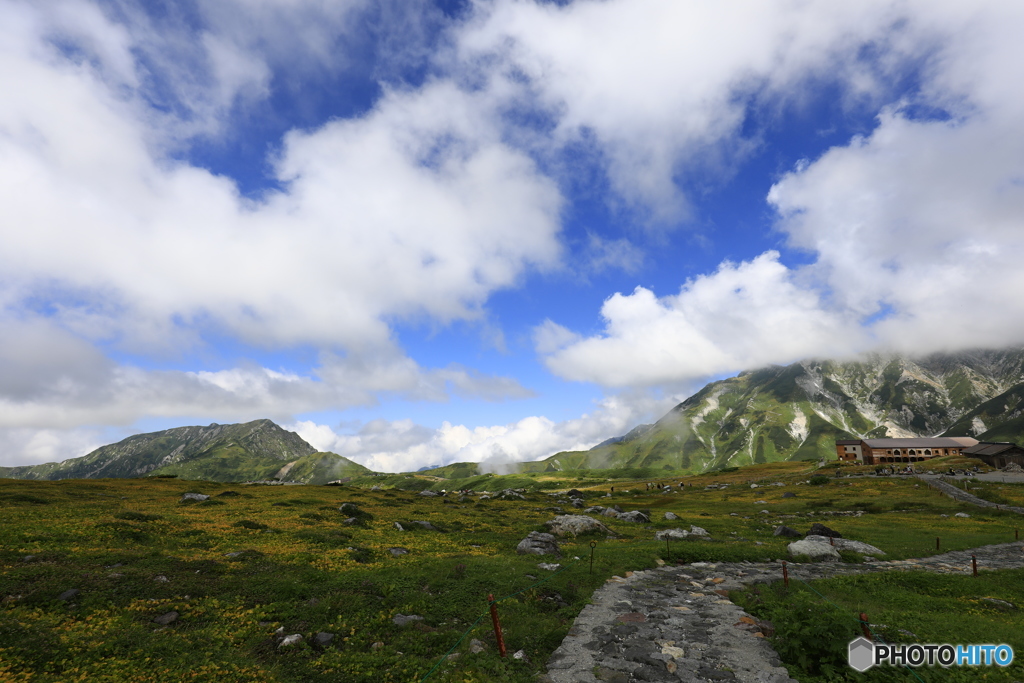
(885, 451)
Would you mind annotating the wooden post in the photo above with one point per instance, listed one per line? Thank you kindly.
(785, 574)
(974, 564)
(936, 542)
(497, 626)
(593, 544)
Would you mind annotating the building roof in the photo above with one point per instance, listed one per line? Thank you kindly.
(932, 442)
(992, 448)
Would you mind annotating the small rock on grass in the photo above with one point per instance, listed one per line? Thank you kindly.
(69, 594)
(191, 495)
(398, 552)
(961, 514)
(538, 543)
(323, 638)
(520, 656)
(293, 639)
(671, 516)
(166, 619)
(549, 567)
(405, 619)
(783, 530)
(476, 646)
(819, 529)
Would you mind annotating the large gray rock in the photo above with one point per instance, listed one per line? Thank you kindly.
(634, 516)
(671, 516)
(847, 544)
(537, 543)
(609, 512)
(816, 550)
(697, 531)
(199, 497)
(574, 525)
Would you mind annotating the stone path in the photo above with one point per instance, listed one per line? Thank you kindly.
(959, 494)
(675, 623)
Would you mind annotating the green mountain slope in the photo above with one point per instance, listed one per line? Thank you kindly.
(240, 452)
(796, 412)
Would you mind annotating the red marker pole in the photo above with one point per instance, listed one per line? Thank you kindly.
(785, 574)
(864, 626)
(497, 626)
(974, 564)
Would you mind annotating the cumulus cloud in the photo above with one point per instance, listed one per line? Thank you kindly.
(922, 222)
(402, 445)
(743, 315)
(915, 230)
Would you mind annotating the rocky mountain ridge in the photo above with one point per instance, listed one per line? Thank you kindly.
(254, 450)
(796, 412)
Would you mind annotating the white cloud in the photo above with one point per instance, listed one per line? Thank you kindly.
(919, 222)
(924, 219)
(663, 85)
(742, 316)
(402, 445)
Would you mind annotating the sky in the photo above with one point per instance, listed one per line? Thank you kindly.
(421, 232)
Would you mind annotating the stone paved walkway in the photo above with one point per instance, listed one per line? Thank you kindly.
(675, 623)
(963, 496)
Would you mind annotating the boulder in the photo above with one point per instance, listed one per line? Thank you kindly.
(697, 531)
(399, 526)
(428, 494)
(672, 535)
(789, 494)
(426, 525)
(671, 516)
(847, 544)
(961, 514)
(819, 529)
(476, 646)
(573, 525)
(578, 502)
(594, 509)
(405, 619)
(816, 550)
(609, 512)
(398, 552)
(574, 493)
(537, 543)
(634, 516)
(198, 497)
(69, 594)
(783, 530)
(167, 619)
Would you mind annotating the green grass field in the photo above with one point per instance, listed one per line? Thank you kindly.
(252, 560)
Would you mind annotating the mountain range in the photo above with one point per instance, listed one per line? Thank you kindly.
(258, 450)
(792, 412)
(796, 412)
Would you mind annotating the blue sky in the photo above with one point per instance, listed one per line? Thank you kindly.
(425, 232)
